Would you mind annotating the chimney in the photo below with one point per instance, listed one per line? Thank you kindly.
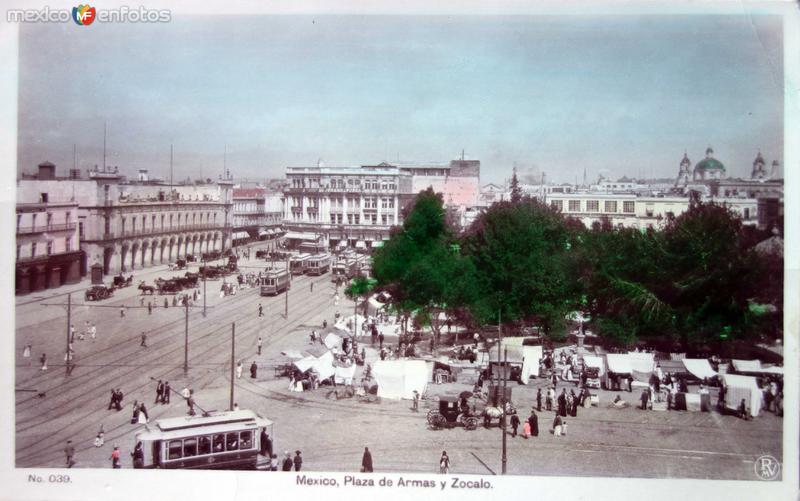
(47, 171)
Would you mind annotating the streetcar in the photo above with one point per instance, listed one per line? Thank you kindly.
(274, 282)
(299, 264)
(221, 441)
(344, 269)
(312, 247)
(318, 264)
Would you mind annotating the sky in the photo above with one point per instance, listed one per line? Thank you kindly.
(612, 95)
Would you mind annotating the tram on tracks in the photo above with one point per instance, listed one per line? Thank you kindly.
(220, 441)
(318, 264)
(344, 270)
(274, 282)
(299, 264)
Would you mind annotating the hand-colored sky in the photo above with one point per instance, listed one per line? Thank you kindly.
(620, 95)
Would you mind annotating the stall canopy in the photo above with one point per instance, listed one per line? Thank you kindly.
(618, 363)
(531, 355)
(240, 235)
(593, 361)
(377, 244)
(742, 387)
(699, 367)
(294, 235)
(361, 244)
(292, 354)
(641, 361)
(263, 233)
(399, 378)
(344, 375)
(333, 341)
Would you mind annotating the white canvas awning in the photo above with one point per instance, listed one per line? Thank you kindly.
(399, 378)
(592, 361)
(305, 363)
(377, 244)
(747, 365)
(294, 235)
(344, 375)
(238, 235)
(641, 361)
(699, 367)
(618, 363)
(738, 388)
(361, 244)
(531, 355)
(333, 341)
(292, 354)
(263, 233)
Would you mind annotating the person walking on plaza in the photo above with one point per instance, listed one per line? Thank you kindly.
(260, 310)
(159, 392)
(138, 455)
(115, 454)
(539, 399)
(287, 462)
(366, 461)
(71, 333)
(444, 463)
(149, 307)
(557, 425)
(165, 395)
(166, 303)
(135, 415)
(415, 401)
(190, 403)
(266, 444)
(533, 422)
(644, 399)
(69, 452)
(253, 370)
(239, 369)
(141, 301)
(100, 439)
(43, 361)
(514, 424)
(298, 461)
(93, 331)
(380, 341)
(113, 402)
(562, 403)
(259, 345)
(122, 311)
(273, 462)
(143, 413)
(26, 353)
(312, 287)
(144, 340)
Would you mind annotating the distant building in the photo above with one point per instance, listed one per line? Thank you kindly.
(253, 217)
(123, 226)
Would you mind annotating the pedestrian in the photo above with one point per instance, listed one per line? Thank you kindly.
(312, 287)
(259, 345)
(253, 370)
(539, 399)
(526, 429)
(135, 415)
(444, 463)
(514, 424)
(324, 324)
(236, 406)
(336, 299)
(415, 401)
(141, 301)
(287, 462)
(533, 422)
(562, 403)
(273, 462)
(166, 303)
(644, 400)
(43, 361)
(69, 452)
(298, 461)
(266, 444)
(159, 392)
(366, 461)
(144, 340)
(165, 395)
(383, 354)
(143, 414)
(26, 352)
(71, 333)
(190, 403)
(99, 440)
(260, 310)
(115, 458)
(138, 455)
(93, 331)
(557, 425)
(122, 311)
(149, 307)
(380, 340)
(239, 369)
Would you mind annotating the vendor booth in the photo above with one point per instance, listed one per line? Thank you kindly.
(739, 387)
(399, 378)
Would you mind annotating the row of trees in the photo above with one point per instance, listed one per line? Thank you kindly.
(696, 281)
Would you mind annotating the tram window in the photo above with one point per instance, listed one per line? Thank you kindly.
(246, 438)
(175, 448)
(219, 443)
(233, 441)
(205, 445)
(190, 447)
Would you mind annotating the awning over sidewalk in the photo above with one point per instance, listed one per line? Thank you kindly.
(361, 244)
(295, 235)
(239, 235)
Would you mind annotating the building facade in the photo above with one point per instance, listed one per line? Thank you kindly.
(257, 214)
(48, 251)
(125, 226)
(344, 206)
(458, 181)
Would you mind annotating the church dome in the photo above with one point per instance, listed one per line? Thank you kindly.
(709, 163)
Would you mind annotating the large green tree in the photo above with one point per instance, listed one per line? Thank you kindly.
(421, 267)
(525, 267)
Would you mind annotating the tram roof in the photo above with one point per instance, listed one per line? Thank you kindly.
(198, 425)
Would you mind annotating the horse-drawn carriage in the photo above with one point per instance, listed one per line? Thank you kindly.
(171, 286)
(213, 272)
(465, 410)
(179, 264)
(120, 281)
(211, 256)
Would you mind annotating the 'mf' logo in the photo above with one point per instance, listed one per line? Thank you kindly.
(83, 15)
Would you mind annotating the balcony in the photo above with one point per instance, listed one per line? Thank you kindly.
(32, 230)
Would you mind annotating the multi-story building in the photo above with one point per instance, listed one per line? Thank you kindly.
(632, 211)
(48, 252)
(257, 214)
(123, 226)
(344, 206)
(457, 181)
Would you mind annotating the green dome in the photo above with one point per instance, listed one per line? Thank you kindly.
(709, 164)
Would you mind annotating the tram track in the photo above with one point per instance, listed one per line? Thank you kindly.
(208, 353)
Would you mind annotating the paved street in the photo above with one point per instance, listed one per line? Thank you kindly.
(331, 434)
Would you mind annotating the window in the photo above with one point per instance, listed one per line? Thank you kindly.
(204, 445)
(232, 442)
(49, 247)
(49, 220)
(33, 220)
(610, 206)
(189, 447)
(219, 443)
(33, 249)
(592, 206)
(175, 449)
(746, 213)
(68, 217)
(574, 205)
(133, 224)
(19, 251)
(333, 218)
(557, 204)
(19, 220)
(68, 244)
(627, 207)
(246, 439)
(356, 218)
(43, 198)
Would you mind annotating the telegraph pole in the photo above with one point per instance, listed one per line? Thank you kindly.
(204, 287)
(503, 417)
(69, 321)
(233, 358)
(186, 339)
(286, 302)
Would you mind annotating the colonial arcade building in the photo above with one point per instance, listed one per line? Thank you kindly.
(124, 226)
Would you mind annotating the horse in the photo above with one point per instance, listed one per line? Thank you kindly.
(149, 289)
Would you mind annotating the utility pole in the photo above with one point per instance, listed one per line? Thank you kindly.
(204, 287)
(69, 322)
(233, 358)
(286, 302)
(186, 338)
(503, 417)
